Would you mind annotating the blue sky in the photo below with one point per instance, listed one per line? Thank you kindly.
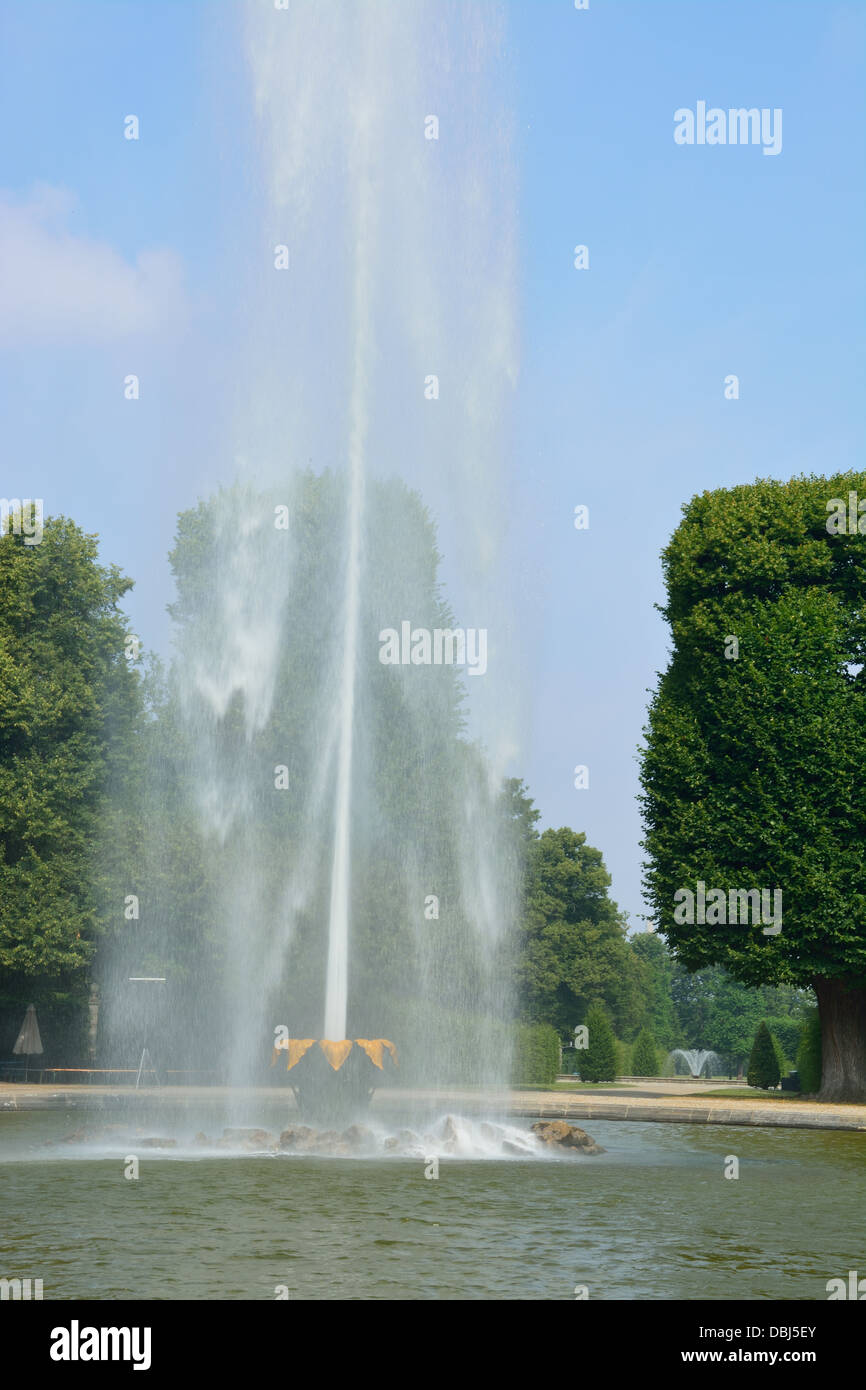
(704, 261)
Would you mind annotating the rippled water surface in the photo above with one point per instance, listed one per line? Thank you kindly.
(653, 1217)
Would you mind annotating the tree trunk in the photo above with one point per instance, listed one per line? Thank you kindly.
(842, 1009)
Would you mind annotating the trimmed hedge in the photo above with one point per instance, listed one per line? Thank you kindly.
(809, 1054)
(599, 1061)
(536, 1055)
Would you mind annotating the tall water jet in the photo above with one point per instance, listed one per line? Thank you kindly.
(330, 852)
(337, 979)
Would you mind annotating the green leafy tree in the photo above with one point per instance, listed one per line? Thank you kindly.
(598, 1059)
(70, 714)
(657, 965)
(718, 1012)
(753, 770)
(787, 1033)
(735, 1011)
(782, 1061)
(763, 1069)
(644, 1057)
(573, 947)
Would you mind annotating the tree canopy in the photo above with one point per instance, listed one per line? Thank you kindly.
(69, 718)
(573, 948)
(753, 768)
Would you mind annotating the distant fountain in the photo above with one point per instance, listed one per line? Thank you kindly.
(696, 1059)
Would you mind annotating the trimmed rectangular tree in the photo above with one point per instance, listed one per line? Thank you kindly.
(753, 771)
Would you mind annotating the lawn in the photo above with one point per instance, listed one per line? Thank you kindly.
(574, 1086)
(750, 1093)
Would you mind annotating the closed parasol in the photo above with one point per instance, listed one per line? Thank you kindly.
(28, 1043)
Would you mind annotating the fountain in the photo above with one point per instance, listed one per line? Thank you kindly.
(334, 1081)
(328, 851)
(696, 1059)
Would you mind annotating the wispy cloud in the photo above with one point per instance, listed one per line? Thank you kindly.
(57, 286)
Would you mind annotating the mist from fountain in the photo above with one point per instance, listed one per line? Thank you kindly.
(310, 901)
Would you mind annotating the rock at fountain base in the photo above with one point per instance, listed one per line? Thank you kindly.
(252, 1139)
(359, 1137)
(318, 1143)
(406, 1140)
(561, 1135)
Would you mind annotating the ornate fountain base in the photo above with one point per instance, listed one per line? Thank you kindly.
(333, 1081)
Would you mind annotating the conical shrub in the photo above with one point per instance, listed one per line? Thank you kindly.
(644, 1057)
(598, 1059)
(763, 1064)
